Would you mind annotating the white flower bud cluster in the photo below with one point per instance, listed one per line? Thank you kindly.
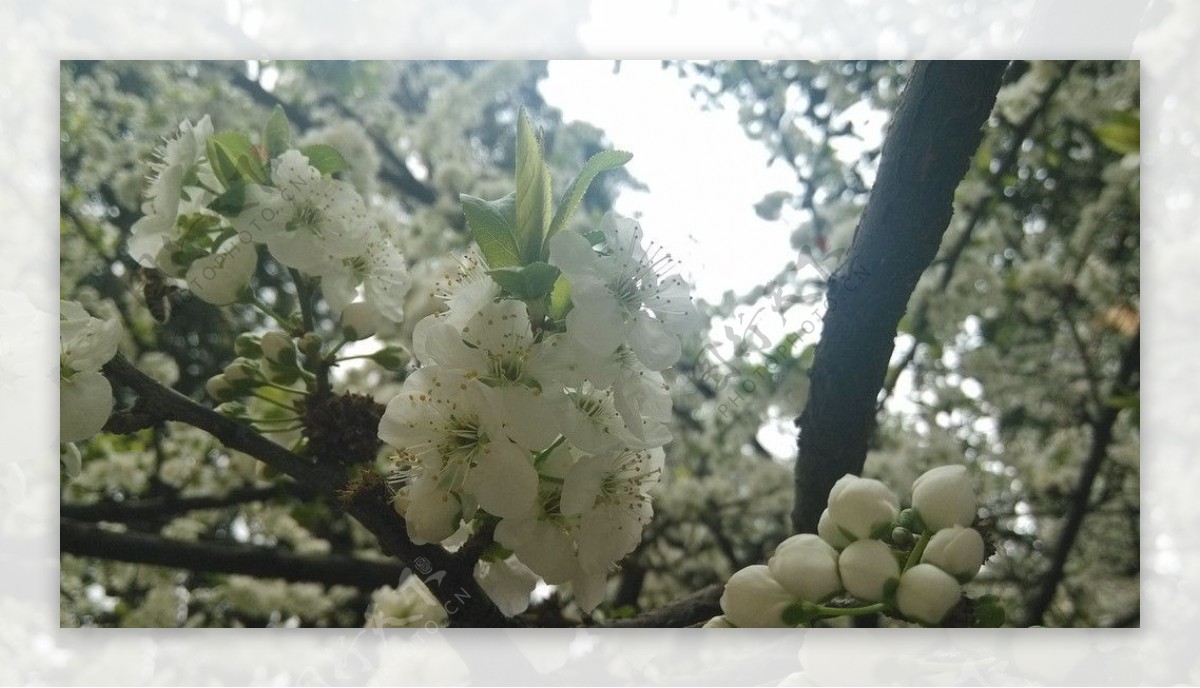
(205, 218)
(865, 553)
(550, 428)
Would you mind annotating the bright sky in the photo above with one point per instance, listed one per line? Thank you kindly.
(704, 175)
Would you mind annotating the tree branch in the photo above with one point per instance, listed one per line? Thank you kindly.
(949, 262)
(158, 507)
(689, 610)
(1102, 431)
(935, 131)
(86, 540)
(364, 498)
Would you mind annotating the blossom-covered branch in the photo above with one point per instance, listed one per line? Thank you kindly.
(367, 502)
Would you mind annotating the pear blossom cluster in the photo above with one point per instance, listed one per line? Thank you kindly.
(86, 343)
(550, 429)
(868, 556)
(214, 199)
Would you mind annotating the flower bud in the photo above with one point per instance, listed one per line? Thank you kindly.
(753, 599)
(280, 375)
(806, 566)
(247, 345)
(718, 621)
(218, 388)
(956, 550)
(866, 566)
(927, 593)
(241, 371)
(278, 348)
(311, 344)
(829, 532)
(860, 506)
(359, 321)
(902, 538)
(943, 497)
(908, 520)
(391, 357)
(231, 409)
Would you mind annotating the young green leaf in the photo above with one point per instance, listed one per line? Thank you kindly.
(533, 191)
(277, 135)
(560, 298)
(527, 282)
(230, 203)
(1121, 133)
(492, 223)
(598, 163)
(233, 158)
(325, 158)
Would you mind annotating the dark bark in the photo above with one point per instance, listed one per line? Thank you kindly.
(86, 540)
(935, 131)
(160, 507)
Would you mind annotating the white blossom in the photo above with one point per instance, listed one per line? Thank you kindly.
(508, 583)
(85, 395)
(174, 162)
(307, 221)
(452, 442)
(220, 277)
(411, 605)
(381, 271)
(607, 493)
(620, 295)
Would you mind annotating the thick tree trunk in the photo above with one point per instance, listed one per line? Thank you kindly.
(935, 131)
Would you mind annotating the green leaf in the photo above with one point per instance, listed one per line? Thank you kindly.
(600, 162)
(533, 191)
(989, 613)
(325, 158)
(1121, 133)
(222, 163)
(527, 282)
(233, 159)
(540, 279)
(230, 203)
(493, 225)
(560, 298)
(277, 135)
